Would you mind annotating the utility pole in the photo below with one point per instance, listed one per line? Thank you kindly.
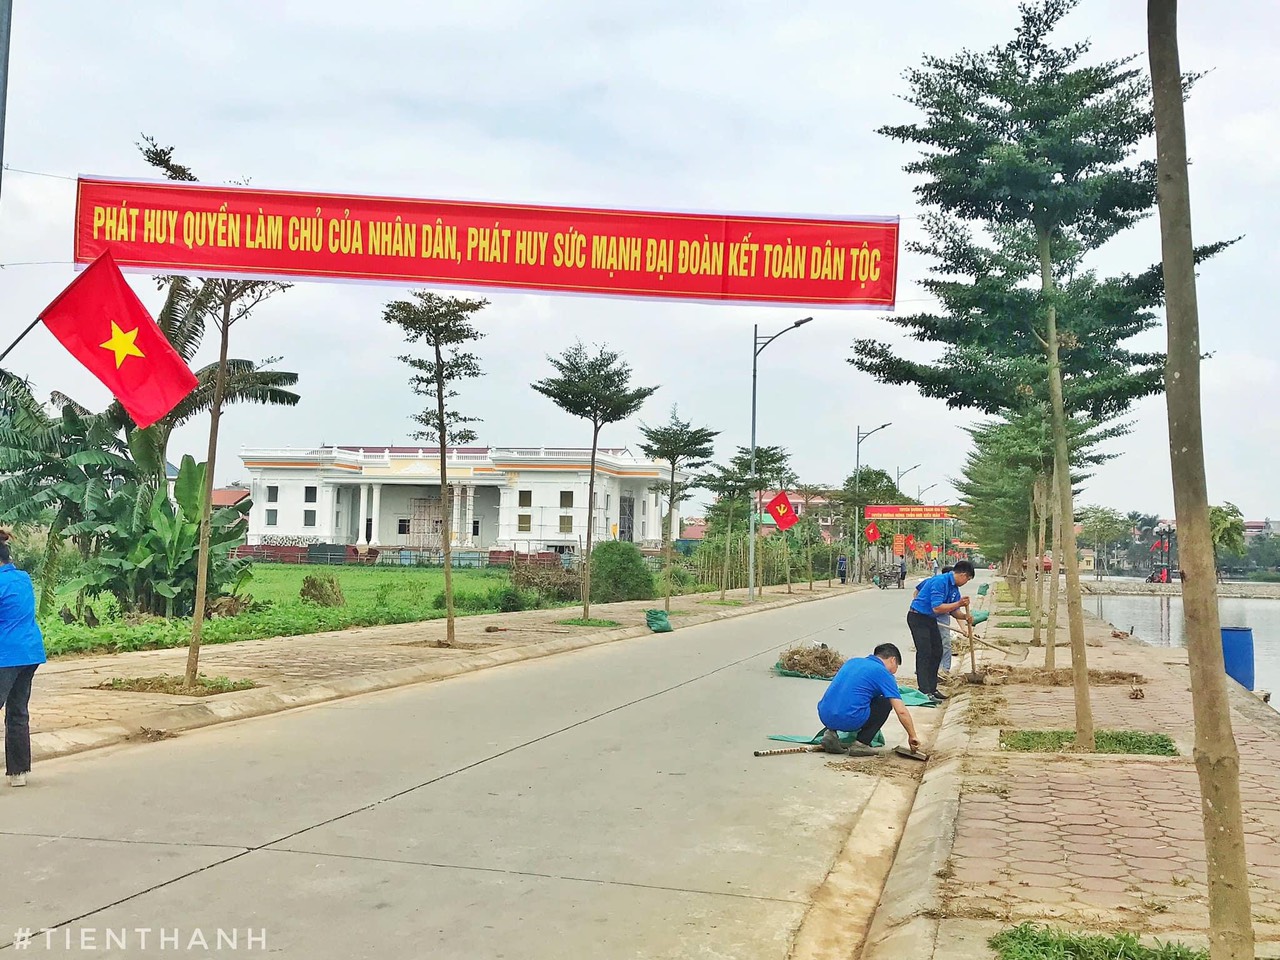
(857, 493)
(6, 24)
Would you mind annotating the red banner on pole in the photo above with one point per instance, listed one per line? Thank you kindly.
(911, 541)
(244, 232)
(899, 544)
(872, 532)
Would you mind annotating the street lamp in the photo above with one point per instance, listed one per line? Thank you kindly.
(857, 487)
(921, 491)
(901, 474)
(758, 345)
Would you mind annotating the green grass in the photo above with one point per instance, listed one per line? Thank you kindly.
(1016, 624)
(1015, 613)
(374, 596)
(204, 686)
(1106, 741)
(593, 622)
(723, 603)
(1032, 942)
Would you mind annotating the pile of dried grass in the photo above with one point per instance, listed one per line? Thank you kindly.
(814, 661)
(1000, 673)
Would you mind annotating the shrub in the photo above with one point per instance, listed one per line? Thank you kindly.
(552, 584)
(618, 572)
(322, 589)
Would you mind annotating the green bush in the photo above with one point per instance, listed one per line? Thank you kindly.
(618, 572)
(1264, 576)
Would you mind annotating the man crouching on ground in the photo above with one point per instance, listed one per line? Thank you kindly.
(859, 699)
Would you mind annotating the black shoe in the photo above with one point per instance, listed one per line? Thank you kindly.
(938, 697)
(831, 742)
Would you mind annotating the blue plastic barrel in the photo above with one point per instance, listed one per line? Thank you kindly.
(1237, 654)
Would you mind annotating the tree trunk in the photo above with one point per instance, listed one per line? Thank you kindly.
(809, 558)
(591, 525)
(206, 516)
(446, 501)
(728, 541)
(1042, 510)
(1051, 638)
(786, 559)
(1062, 464)
(1031, 573)
(669, 536)
(1216, 757)
(49, 571)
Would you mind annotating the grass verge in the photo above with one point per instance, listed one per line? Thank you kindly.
(204, 686)
(1033, 942)
(592, 622)
(723, 603)
(1106, 741)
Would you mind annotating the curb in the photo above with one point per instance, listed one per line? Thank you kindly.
(906, 924)
(243, 705)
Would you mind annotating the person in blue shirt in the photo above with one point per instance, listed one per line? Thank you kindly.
(936, 597)
(859, 699)
(842, 566)
(21, 651)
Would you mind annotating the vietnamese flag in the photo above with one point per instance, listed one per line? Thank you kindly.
(104, 325)
(872, 532)
(911, 541)
(782, 512)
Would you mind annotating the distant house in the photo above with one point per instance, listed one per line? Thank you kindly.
(229, 496)
(695, 528)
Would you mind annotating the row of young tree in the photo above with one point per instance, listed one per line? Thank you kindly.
(1029, 166)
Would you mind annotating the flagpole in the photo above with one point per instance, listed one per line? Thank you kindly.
(31, 326)
(6, 22)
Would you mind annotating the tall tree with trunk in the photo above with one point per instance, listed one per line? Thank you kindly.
(595, 386)
(228, 302)
(1216, 756)
(1036, 147)
(443, 325)
(683, 448)
(731, 488)
(808, 493)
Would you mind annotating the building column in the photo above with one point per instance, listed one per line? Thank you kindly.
(468, 513)
(377, 513)
(506, 515)
(456, 512)
(360, 540)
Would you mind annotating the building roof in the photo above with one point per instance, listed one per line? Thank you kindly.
(229, 496)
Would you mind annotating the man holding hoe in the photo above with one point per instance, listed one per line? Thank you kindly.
(936, 597)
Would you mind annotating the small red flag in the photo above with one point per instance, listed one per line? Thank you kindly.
(872, 532)
(780, 509)
(911, 541)
(928, 547)
(104, 325)
(1156, 546)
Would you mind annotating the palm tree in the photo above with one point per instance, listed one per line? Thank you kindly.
(187, 308)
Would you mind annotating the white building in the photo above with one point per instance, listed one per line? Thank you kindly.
(522, 498)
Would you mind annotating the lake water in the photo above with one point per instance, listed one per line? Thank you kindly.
(1158, 621)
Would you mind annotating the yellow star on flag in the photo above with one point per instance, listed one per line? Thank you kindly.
(121, 344)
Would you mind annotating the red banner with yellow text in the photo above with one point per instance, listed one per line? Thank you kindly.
(910, 511)
(243, 232)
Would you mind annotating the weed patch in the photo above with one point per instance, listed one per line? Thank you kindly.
(1033, 942)
(1107, 741)
(203, 687)
(592, 622)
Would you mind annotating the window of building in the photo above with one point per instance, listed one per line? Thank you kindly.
(308, 518)
(524, 522)
(475, 527)
(273, 494)
(608, 500)
(644, 508)
(526, 498)
(402, 526)
(566, 524)
(566, 499)
(271, 517)
(309, 494)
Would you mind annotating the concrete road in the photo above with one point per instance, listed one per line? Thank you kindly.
(598, 804)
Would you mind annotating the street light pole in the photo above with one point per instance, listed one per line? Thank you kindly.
(921, 491)
(901, 474)
(6, 23)
(758, 344)
(857, 492)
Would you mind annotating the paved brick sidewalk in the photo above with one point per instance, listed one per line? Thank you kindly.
(1092, 842)
(68, 714)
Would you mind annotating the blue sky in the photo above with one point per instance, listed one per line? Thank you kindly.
(754, 106)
